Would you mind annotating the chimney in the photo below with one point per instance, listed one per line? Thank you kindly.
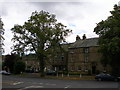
(77, 37)
(84, 37)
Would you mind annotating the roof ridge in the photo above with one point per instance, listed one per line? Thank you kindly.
(85, 43)
(93, 38)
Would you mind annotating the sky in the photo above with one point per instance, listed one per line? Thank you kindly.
(81, 16)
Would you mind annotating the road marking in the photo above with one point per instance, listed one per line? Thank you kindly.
(30, 87)
(17, 83)
(40, 83)
(33, 87)
(50, 84)
(67, 86)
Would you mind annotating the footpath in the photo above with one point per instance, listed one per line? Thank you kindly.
(60, 76)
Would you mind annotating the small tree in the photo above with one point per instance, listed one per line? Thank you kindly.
(19, 67)
(10, 61)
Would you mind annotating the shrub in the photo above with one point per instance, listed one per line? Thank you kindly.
(19, 67)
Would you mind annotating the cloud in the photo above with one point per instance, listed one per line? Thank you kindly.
(3, 10)
(79, 15)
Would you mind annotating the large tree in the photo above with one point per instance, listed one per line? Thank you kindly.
(41, 34)
(109, 39)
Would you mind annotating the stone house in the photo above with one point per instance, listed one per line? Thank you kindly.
(83, 56)
(32, 64)
(60, 61)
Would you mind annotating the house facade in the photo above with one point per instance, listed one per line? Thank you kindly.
(31, 62)
(60, 61)
(84, 57)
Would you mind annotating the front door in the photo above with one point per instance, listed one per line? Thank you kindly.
(93, 69)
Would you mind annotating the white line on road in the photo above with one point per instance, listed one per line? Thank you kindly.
(17, 83)
(50, 84)
(40, 83)
(33, 87)
(30, 87)
(67, 86)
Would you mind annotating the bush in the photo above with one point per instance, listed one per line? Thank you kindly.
(19, 67)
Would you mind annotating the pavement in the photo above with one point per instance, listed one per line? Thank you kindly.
(59, 76)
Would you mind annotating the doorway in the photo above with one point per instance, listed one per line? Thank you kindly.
(94, 69)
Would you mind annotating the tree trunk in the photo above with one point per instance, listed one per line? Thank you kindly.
(42, 64)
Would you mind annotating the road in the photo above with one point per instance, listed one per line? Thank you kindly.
(23, 83)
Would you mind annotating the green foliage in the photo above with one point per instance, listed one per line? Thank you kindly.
(1, 36)
(109, 39)
(41, 34)
(19, 67)
(10, 61)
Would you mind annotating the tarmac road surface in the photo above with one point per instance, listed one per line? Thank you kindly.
(24, 83)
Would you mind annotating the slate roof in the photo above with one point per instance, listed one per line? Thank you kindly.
(91, 42)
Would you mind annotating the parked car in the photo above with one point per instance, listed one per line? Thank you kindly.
(108, 77)
(51, 72)
(3, 72)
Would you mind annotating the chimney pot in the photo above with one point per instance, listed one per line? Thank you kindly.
(77, 37)
(84, 37)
